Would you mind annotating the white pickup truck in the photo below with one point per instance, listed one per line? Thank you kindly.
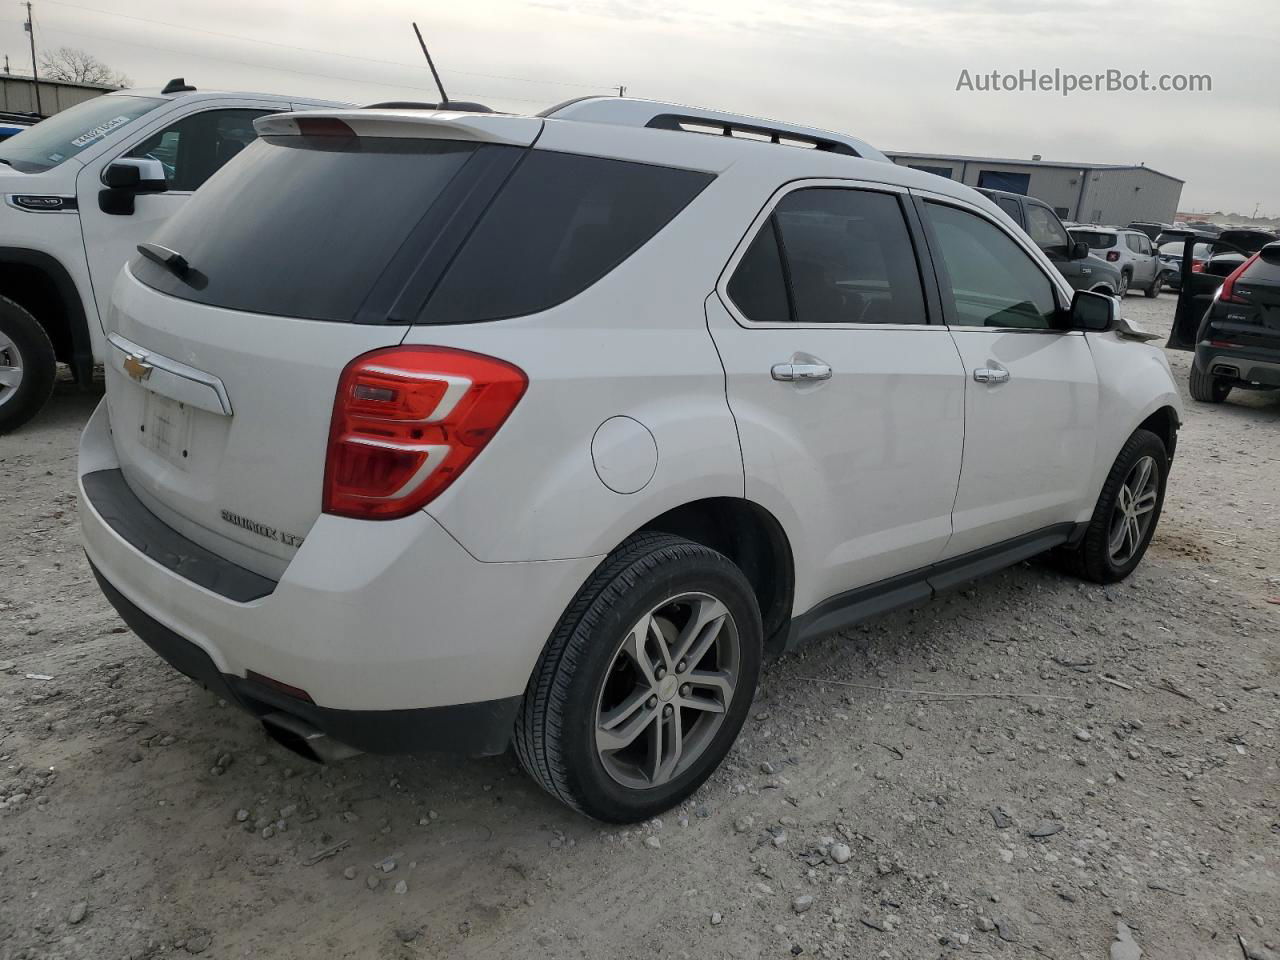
(81, 190)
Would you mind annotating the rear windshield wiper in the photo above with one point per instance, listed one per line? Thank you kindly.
(171, 260)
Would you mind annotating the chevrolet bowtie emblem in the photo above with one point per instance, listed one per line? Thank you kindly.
(136, 366)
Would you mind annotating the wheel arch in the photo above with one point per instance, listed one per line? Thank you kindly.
(41, 284)
(751, 537)
(1164, 423)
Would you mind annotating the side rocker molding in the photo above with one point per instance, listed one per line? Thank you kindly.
(846, 609)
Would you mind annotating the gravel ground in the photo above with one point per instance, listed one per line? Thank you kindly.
(1107, 783)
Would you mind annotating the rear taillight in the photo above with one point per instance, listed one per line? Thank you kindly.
(1113, 256)
(1228, 292)
(407, 421)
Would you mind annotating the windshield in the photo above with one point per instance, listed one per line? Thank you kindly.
(1095, 239)
(45, 145)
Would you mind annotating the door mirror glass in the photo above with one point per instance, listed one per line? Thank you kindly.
(136, 174)
(1079, 250)
(1095, 312)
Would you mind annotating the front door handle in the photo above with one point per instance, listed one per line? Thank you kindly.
(991, 375)
(791, 372)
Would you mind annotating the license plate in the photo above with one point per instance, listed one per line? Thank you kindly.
(167, 429)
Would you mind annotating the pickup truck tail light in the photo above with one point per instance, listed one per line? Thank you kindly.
(1228, 292)
(1113, 256)
(407, 421)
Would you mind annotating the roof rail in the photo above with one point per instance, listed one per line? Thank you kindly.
(654, 114)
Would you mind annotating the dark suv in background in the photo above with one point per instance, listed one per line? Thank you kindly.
(1238, 344)
(1083, 270)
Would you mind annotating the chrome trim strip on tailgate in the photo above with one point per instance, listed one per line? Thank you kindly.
(168, 377)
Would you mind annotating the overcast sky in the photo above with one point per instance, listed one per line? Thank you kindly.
(883, 70)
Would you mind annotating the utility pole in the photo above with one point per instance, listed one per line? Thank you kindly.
(6, 63)
(35, 76)
(622, 91)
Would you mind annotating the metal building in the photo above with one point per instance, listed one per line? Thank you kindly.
(1110, 193)
(18, 94)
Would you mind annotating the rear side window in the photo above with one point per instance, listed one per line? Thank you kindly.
(1010, 206)
(303, 226)
(1095, 240)
(560, 224)
(1263, 270)
(838, 255)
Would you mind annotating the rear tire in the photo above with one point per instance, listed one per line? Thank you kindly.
(1124, 286)
(588, 691)
(1207, 388)
(28, 366)
(1133, 492)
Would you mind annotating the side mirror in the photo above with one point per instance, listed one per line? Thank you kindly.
(1093, 312)
(1079, 250)
(140, 174)
(126, 178)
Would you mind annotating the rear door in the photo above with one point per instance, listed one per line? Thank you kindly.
(1031, 403)
(849, 402)
(221, 376)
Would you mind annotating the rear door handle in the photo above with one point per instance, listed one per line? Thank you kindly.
(791, 372)
(991, 375)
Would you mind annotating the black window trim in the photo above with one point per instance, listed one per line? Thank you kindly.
(1056, 281)
(915, 232)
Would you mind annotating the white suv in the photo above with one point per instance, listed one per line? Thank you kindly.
(437, 430)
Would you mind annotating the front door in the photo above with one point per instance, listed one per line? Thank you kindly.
(849, 402)
(191, 149)
(1031, 400)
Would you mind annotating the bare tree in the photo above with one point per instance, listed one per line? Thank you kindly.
(78, 66)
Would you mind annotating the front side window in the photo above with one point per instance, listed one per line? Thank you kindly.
(992, 280)
(831, 255)
(46, 144)
(1045, 229)
(194, 148)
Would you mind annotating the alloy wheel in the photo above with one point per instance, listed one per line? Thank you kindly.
(10, 368)
(1134, 510)
(667, 690)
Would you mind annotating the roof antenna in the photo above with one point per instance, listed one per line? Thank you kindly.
(444, 97)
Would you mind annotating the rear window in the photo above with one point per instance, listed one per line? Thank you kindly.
(1095, 240)
(303, 226)
(560, 224)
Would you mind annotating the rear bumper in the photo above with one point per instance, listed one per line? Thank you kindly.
(1251, 366)
(476, 729)
(381, 623)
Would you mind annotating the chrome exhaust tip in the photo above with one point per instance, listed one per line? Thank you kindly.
(305, 740)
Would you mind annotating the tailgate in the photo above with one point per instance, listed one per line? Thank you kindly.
(220, 418)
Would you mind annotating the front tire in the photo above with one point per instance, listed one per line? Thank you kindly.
(1126, 514)
(645, 682)
(1207, 388)
(1153, 291)
(28, 366)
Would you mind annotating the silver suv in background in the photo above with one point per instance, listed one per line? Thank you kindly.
(1131, 252)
